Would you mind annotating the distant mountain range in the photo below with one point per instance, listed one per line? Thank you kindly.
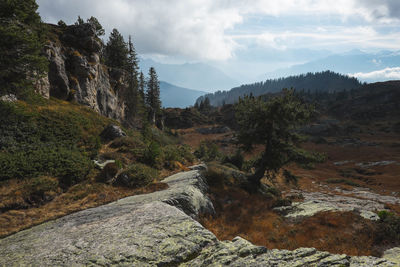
(197, 76)
(177, 97)
(326, 81)
(352, 62)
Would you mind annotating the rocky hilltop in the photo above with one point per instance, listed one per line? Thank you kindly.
(157, 229)
(77, 73)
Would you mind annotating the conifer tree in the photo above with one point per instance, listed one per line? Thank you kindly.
(272, 124)
(142, 86)
(98, 27)
(153, 96)
(21, 40)
(79, 21)
(116, 51)
(133, 96)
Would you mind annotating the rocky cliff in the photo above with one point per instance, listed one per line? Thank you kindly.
(157, 229)
(76, 72)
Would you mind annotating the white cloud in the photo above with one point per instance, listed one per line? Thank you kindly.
(205, 29)
(379, 75)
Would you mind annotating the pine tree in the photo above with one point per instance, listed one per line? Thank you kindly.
(153, 96)
(133, 96)
(116, 51)
(273, 124)
(79, 21)
(21, 41)
(142, 86)
(98, 27)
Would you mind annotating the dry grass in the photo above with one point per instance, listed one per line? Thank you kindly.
(79, 197)
(251, 217)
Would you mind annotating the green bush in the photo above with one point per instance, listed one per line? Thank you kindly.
(69, 165)
(50, 137)
(207, 151)
(137, 175)
(152, 155)
(388, 228)
(39, 188)
(177, 153)
(236, 159)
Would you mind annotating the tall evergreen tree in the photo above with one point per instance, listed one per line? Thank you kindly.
(133, 96)
(116, 51)
(142, 86)
(21, 41)
(153, 95)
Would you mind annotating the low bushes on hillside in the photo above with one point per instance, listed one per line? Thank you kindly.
(48, 138)
(137, 175)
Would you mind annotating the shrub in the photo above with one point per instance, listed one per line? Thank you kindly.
(290, 177)
(207, 151)
(388, 228)
(40, 188)
(137, 175)
(152, 155)
(127, 143)
(215, 176)
(108, 172)
(236, 159)
(177, 153)
(52, 138)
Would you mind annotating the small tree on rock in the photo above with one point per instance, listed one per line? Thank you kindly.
(116, 51)
(99, 28)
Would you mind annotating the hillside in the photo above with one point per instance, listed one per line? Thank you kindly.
(320, 81)
(177, 97)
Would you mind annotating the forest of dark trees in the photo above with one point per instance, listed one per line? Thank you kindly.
(326, 82)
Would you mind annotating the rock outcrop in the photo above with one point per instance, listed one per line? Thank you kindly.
(76, 72)
(360, 200)
(157, 229)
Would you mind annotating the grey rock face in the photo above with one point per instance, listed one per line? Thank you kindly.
(76, 73)
(155, 229)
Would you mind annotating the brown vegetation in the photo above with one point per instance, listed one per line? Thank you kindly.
(252, 217)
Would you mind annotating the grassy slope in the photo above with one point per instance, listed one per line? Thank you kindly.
(46, 153)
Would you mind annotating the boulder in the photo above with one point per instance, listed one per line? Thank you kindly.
(8, 98)
(112, 132)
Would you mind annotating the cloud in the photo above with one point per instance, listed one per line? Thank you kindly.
(379, 75)
(208, 29)
(382, 10)
(339, 38)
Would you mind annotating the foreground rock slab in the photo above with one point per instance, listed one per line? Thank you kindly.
(157, 229)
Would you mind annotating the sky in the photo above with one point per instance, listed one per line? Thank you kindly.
(243, 37)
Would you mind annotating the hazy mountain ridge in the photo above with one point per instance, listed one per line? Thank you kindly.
(175, 96)
(350, 63)
(197, 76)
(326, 81)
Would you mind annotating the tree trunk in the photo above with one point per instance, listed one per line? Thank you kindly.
(254, 180)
